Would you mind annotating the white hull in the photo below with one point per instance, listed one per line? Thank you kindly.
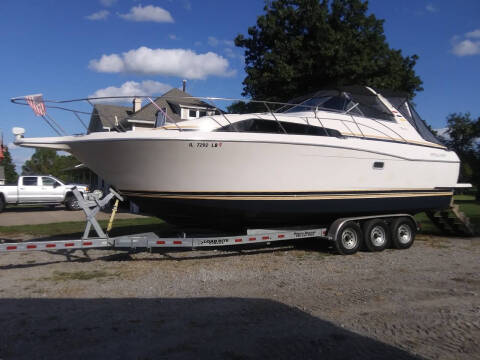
(235, 162)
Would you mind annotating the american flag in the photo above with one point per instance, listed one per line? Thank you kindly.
(37, 104)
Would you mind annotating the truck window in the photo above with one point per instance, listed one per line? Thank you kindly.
(30, 181)
(48, 181)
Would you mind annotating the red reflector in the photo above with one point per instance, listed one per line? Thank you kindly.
(87, 243)
(238, 240)
(31, 246)
(11, 248)
(160, 242)
(177, 242)
(51, 245)
(265, 237)
(252, 239)
(281, 236)
(69, 244)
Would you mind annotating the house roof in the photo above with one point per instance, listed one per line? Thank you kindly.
(104, 115)
(169, 100)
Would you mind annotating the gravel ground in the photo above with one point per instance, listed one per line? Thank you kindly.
(276, 303)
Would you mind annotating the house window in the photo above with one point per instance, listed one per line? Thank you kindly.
(192, 113)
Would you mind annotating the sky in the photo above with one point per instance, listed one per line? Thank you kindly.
(74, 49)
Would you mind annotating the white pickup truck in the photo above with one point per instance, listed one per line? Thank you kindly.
(42, 189)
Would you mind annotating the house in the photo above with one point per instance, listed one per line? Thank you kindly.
(175, 105)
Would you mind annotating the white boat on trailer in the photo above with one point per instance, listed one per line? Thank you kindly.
(341, 153)
(357, 162)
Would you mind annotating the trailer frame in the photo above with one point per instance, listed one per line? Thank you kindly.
(92, 204)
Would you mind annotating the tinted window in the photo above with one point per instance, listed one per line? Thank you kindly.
(372, 107)
(30, 181)
(47, 181)
(272, 127)
(192, 113)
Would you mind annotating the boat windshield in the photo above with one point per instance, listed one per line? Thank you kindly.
(406, 108)
(358, 104)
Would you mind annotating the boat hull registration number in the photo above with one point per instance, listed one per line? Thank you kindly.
(205, 145)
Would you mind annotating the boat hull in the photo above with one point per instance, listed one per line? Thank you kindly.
(229, 210)
(216, 178)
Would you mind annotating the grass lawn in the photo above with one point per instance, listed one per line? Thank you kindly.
(131, 226)
(75, 229)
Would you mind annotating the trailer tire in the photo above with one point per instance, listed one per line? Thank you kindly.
(2, 203)
(348, 238)
(376, 235)
(403, 232)
(72, 203)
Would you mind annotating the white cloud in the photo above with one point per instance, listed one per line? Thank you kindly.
(475, 34)
(229, 53)
(108, 63)
(213, 41)
(168, 62)
(431, 8)
(99, 15)
(148, 13)
(108, 3)
(464, 46)
(147, 87)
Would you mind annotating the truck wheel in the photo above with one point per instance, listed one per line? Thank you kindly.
(376, 234)
(72, 203)
(403, 232)
(2, 204)
(348, 238)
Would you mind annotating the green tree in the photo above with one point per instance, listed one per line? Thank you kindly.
(11, 175)
(48, 162)
(299, 46)
(464, 139)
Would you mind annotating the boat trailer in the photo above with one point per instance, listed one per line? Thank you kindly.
(148, 241)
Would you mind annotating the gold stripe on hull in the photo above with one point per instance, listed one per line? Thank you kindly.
(289, 197)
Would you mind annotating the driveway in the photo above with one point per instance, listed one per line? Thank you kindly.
(265, 303)
(44, 215)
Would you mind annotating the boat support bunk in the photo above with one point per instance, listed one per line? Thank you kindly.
(347, 234)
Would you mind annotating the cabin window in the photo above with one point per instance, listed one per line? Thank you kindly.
(203, 113)
(192, 113)
(273, 127)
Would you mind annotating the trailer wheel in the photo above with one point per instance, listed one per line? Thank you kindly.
(72, 203)
(403, 233)
(376, 235)
(348, 238)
